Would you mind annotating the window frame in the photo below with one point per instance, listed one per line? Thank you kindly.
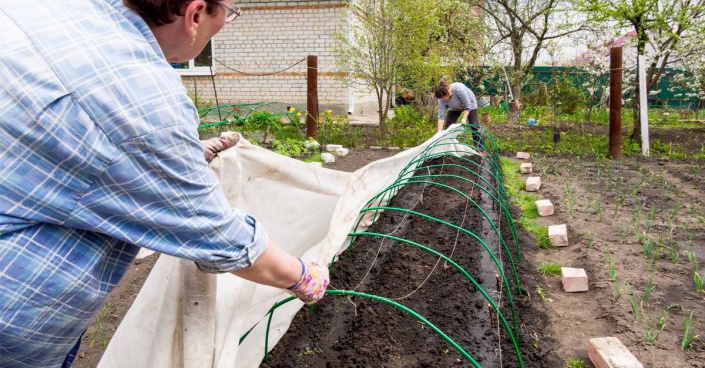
(199, 70)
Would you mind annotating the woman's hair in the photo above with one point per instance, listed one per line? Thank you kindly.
(442, 90)
(162, 12)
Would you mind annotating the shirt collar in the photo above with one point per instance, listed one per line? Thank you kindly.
(139, 24)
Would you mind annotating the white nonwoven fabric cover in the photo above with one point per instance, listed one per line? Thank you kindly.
(183, 318)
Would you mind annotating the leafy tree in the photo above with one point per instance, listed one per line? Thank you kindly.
(521, 29)
(662, 28)
(412, 42)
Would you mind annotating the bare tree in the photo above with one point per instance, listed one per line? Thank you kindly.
(521, 30)
(664, 25)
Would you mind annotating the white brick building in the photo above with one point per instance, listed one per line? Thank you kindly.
(269, 37)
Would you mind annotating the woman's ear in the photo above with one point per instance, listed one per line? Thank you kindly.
(193, 15)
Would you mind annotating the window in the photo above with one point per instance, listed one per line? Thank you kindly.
(201, 65)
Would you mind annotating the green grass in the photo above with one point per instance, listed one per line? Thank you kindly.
(550, 268)
(513, 182)
(575, 363)
(526, 201)
(658, 117)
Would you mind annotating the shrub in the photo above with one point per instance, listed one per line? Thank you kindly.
(408, 128)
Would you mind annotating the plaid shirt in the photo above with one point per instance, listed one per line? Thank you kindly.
(99, 155)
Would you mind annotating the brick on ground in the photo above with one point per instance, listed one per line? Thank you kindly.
(523, 155)
(333, 147)
(533, 183)
(341, 151)
(609, 352)
(526, 168)
(558, 235)
(327, 157)
(574, 279)
(544, 207)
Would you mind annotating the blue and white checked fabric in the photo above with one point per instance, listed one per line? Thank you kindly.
(462, 99)
(99, 155)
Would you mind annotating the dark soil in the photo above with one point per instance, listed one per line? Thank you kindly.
(358, 332)
(552, 328)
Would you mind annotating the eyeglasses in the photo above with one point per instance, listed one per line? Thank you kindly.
(233, 11)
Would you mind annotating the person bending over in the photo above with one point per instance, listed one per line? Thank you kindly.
(457, 103)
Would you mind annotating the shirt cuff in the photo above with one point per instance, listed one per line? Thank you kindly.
(248, 255)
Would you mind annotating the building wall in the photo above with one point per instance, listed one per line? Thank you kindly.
(271, 37)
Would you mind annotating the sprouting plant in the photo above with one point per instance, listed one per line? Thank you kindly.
(598, 208)
(619, 289)
(647, 246)
(309, 351)
(550, 268)
(575, 363)
(652, 216)
(591, 241)
(540, 292)
(636, 216)
(688, 331)
(99, 328)
(618, 204)
(661, 324)
(569, 202)
(675, 211)
(623, 233)
(649, 288)
(568, 191)
(634, 306)
(650, 333)
(610, 263)
(698, 281)
(674, 252)
(692, 258)
(536, 339)
(659, 247)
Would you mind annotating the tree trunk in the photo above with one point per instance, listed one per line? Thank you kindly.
(380, 111)
(514, 107)
(636, 128)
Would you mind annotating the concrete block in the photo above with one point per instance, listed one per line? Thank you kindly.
(333, 147)
(526, 168)
(523, 155)
(558, 235)
(317, 164)
(533, 183)
(574, 279)
(327, 157)
(314, 145)
(545, 207)
(341, 151)
(609, 352)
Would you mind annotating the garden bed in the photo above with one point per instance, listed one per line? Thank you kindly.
(358, 332)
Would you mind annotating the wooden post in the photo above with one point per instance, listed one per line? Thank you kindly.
(615, 138)
(312, 96)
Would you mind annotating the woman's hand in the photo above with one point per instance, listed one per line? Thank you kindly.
(313, 283)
